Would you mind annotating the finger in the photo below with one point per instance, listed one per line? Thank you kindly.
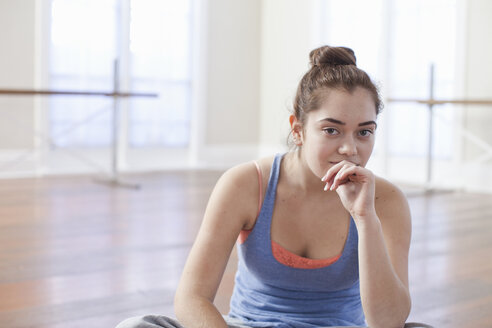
(328, 178)
(331, 178)
(344, 175)
(332, 171)
(338, 180)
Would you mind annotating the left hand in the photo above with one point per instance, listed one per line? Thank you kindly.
(355, 185)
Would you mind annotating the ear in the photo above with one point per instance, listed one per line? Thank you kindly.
(296, 128)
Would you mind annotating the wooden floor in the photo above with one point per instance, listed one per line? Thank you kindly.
(74, 253)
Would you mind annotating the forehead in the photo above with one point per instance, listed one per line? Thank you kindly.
(350, 107)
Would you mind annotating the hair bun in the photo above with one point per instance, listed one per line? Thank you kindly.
(332, 56)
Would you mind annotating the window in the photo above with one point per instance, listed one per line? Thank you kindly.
(83, 47)
(352, 24)
(395, 42)
(87, 36)
(160, 49)
(422, 33)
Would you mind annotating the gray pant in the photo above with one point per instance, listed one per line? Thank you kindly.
(160, 321)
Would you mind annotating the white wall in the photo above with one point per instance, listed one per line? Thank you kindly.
(17, 57)
(288, 35)
(229, 120)
(476, 175)
(259, 50)
(233, 67)
(478, 75)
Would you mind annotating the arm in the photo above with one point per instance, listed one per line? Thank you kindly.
(231, 207)
(384, 228)
(384, 241)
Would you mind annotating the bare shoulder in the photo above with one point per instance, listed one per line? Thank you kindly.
(237, 184)
(392, 205)
(265, 165)
(388, 195)
(245, 175)
(238, 190)
(238, 176)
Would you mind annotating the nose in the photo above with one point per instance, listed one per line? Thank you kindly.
(348, 147)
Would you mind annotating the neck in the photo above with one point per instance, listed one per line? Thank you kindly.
(299, 175)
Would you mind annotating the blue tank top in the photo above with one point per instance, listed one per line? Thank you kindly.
(270, 294)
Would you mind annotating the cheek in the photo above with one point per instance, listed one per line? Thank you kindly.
(365, 153)
(320, 155)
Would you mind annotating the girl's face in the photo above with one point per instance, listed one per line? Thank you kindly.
(342, 129)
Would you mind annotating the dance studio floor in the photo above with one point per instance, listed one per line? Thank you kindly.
(74, 253)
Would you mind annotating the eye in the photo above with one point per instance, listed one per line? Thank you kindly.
(365, 133)
(331, 131)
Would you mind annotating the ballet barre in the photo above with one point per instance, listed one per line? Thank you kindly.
(29, 92)
(442, 101)
(431, 102)
(115, 94)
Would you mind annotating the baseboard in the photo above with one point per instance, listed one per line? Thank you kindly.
(18, 163)
(99, 161)
(410, 171)
(446, 175)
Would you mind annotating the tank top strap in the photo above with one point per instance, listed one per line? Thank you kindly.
(264, 218)
(273, 180)
(265, 210)
(260, 187)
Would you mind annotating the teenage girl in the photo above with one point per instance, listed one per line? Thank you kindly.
(322, 241)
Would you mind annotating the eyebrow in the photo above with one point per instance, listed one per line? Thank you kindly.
(368, 123)
(332, 120)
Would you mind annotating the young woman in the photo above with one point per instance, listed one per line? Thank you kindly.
(321, 240)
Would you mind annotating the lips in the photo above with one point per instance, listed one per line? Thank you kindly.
(335, 162)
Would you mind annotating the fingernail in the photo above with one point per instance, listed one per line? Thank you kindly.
(326, 187)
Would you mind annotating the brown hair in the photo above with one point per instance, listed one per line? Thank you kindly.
(331, 67)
